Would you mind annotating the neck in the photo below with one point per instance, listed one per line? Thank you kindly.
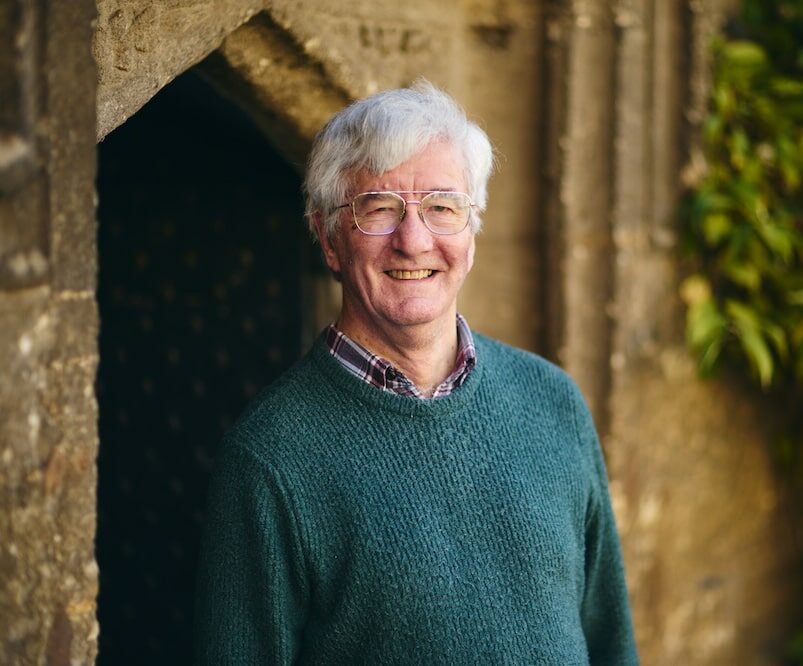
(424, 353)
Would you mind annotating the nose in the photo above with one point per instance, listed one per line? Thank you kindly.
(412, 236)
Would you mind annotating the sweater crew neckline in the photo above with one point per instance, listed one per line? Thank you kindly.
(344, 381)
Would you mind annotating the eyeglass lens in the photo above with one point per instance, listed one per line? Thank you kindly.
(382, 212)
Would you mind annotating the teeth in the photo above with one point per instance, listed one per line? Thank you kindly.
(411, 275)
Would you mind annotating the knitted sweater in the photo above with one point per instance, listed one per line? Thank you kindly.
(348, 525)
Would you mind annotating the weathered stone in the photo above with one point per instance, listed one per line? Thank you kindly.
(75, 327)
(494, 299)
(141, 46)
(704, 521)
(27, 330)
(585, 199)
(364, 47)
(503, 293)
(263, 69)
(48, 441)
(23, 249)
(17, 163)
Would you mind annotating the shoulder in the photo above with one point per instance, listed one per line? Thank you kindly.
(280, 415)
(519, 365)
(532, 382)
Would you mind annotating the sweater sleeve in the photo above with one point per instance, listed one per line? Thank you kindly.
(251, 590)
(605, 608)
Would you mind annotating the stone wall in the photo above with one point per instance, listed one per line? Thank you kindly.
(48, 330)
(593, 107)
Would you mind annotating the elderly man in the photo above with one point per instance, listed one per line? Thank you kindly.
(410, 492)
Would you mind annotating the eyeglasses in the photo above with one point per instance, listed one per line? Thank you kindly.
(380, 213)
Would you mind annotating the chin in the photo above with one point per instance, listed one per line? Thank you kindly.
(416, 315)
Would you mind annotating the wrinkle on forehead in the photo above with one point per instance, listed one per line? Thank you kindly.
(378, 184)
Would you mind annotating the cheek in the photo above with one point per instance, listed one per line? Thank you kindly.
(359, 261)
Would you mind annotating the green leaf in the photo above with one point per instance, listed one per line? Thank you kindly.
(777, 336)
(706, 329)
(704, 324)
(778, 239)
(789, 168)
(743, 53)
(743, 274)
(786, 87)
(716, 227)
(758, 353)
(712, 128)
(710, 355)
(724, 100)
(739, 147)
(715, 201)
(740, 312)
(748, 332)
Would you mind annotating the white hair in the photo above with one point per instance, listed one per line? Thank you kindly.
(380, 132)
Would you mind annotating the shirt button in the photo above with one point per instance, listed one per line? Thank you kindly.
(390, 373)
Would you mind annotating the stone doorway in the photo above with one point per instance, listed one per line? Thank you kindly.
(200, 259)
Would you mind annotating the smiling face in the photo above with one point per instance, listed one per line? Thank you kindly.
(409, 278)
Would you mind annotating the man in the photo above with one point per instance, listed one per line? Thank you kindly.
(410, 492)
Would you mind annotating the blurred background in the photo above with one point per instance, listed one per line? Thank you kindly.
(644, 230)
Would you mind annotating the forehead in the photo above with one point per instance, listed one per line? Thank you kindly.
(439, 166)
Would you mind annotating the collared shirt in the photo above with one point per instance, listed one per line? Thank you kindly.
(379, 372)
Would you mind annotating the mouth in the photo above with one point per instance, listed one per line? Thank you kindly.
(410, 275)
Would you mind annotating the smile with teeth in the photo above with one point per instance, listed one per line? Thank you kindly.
(411, 275)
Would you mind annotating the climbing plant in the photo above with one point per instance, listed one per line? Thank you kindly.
(743, 216)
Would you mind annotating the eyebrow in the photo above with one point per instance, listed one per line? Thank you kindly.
(434, 189)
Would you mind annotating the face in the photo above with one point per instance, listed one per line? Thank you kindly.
(411, 277)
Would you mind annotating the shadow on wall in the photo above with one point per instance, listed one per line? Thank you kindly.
(200, 241)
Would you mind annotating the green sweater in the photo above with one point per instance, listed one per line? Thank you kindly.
(348, 525)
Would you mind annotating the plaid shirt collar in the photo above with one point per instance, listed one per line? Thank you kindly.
(379, 372)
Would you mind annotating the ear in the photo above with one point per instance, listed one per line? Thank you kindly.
(471, 248)
(330, 254)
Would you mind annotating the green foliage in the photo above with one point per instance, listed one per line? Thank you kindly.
(744, 216)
